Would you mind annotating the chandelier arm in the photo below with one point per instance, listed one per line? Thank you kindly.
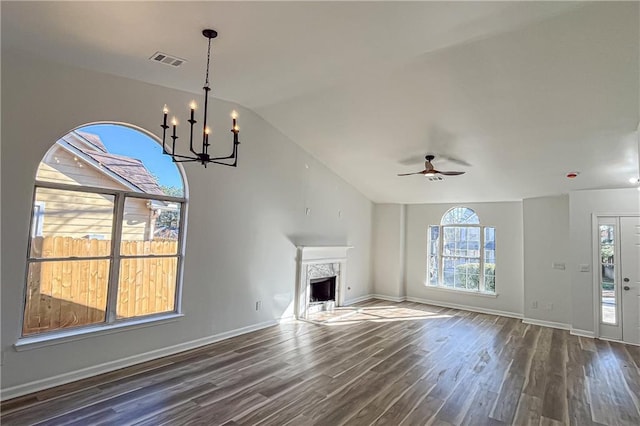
(234, 164)
(164, 137)
(204, 124)
(183, 156)
(232, 156)
(191, 121)
(186, 161)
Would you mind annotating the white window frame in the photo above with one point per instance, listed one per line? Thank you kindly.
(440, 257)
(36, 218)
(111, 321)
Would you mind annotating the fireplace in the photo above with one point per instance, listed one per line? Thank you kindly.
(321, 283)
(322, 289)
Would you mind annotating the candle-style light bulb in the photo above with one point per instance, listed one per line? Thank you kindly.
(236, 128)
(165, 109)
(193, 105)
(174, 121)
(207, 131)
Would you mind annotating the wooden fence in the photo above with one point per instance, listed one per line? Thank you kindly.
(71, 293)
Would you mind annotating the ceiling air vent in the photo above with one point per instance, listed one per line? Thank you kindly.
(163, 58)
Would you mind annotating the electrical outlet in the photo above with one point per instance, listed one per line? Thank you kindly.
(558, 265)
(534, 304)
(339, 213)
(258, 305)
(547, 306)
(307, 211)
(584, 267)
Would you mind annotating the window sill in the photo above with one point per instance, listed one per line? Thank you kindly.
(70, 335)
(460, 291)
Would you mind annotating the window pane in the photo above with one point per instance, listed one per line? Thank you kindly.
(434, 248)
(490, 259)
(608, 298)
(607, 244)
(462, 241)
(70, 223)
(460, 215)
(146, 286)
(490, 277)
(62, 294)
(607, 274)
(111, 156)
(462, 273)
(150, 227)
(489, 245)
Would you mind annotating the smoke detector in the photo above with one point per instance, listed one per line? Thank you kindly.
(167, 59)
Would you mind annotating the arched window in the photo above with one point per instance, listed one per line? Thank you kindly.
(106, 231)
(461, 252)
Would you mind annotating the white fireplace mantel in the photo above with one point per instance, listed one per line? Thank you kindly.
(322, 254)
(308, 258)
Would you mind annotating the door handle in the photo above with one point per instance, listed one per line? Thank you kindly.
(626, 287)
(626, 280)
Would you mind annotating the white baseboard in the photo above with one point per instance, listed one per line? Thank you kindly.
(583, 333)
(551, 324)
(357, 300)
(618, 341)
(465, 307)
(94, 370)
(396, 299)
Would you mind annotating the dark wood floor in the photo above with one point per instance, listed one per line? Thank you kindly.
(391, 364)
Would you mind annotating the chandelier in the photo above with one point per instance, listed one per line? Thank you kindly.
(203, 156)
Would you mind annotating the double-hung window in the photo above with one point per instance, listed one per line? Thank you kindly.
(108, 246)
(461, 253)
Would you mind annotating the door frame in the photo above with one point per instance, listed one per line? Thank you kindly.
(595, 256)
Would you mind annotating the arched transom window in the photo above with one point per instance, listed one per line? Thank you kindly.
(461, 252)
(106, 232)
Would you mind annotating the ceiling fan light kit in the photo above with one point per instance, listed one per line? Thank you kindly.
(203, 156)
(430, 171)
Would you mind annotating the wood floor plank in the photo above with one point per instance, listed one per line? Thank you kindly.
(399, 364)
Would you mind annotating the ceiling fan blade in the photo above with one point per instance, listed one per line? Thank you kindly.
(453, 160)
(409, 174)
(450, 173)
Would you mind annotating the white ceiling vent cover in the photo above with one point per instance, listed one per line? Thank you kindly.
(166, 59)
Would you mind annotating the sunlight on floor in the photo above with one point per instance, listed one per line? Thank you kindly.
(354, 315)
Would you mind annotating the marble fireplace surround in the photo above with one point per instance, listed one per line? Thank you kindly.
(319, 262)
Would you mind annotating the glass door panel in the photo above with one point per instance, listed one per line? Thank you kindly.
(608, 290)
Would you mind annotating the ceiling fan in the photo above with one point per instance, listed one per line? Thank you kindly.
(429, 170)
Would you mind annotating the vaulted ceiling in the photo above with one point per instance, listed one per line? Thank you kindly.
(516, 94)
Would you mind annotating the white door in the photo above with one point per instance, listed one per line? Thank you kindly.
(630, 274)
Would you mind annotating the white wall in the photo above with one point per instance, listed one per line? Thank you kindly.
(506, 217)
(546, 241)
(243, 224)
(582, 206)
(388, 249)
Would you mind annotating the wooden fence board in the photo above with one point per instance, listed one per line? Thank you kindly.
(74, 292)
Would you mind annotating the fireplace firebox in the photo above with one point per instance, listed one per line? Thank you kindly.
(322, 289)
